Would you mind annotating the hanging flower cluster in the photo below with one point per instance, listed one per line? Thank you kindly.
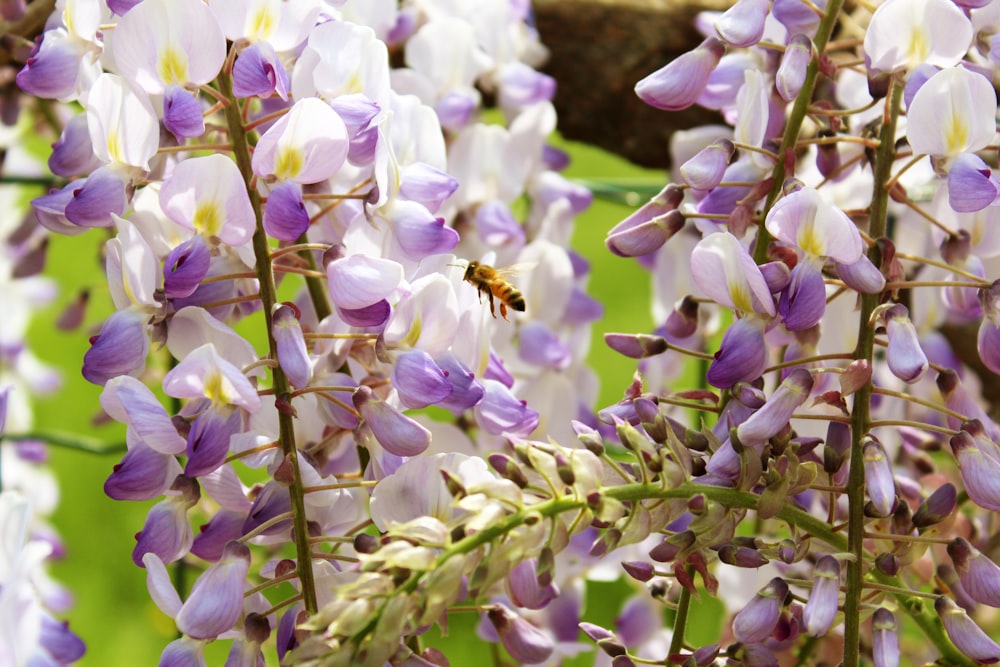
(392, 448)
(29, 493)
(324, 171)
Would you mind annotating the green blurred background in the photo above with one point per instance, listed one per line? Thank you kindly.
(112, 610)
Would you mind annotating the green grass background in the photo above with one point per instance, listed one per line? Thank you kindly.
(112, 611)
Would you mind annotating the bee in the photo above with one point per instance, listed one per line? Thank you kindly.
(490, 281)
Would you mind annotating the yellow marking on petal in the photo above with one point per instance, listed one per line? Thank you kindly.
(262, 23)
(208, 218)
(739, 292)
(288, 162)
(919, 47)
(172, 66)
(810, 241)
(956, 134)
(114, 146)
(215, 389)
(414, 334)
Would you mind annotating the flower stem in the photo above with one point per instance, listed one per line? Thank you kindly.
(268, 298)
(795, 119)
(861, 411)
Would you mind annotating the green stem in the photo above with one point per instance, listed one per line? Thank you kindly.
(268, 297)
(794, 124)
(861, 411)
(681, 618)
(79, 443)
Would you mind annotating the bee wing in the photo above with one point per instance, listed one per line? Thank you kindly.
(518, 269)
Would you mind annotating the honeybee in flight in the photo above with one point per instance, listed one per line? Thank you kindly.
(490, 281)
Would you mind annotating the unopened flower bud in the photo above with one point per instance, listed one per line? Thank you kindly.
(821, 608)
(774, 416)
(979, 575)
(885, 640)
(681, 82)
(667, 550)
(508, 468)
(878, 477)
(791, 72)
(740, 556)
(742, 25)
(887, 563)
(980, 471)
(636, 346)
(640, 570)
(904, 355)
(967, 637)
(682, 321)
(938, 506)
(525, 643)
(652, 225)
(757, 620)
(705, 170)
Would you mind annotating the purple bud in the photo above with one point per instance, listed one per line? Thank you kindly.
(906, 358)
(803, 302)
(980, 472)
(794, 63)
(862, 276)
(774, 416)
(418, 380)
(143, 474)
(419, 233)
(705, 170)
(399, 434)
(167, 532)
(682, 320)
(837, 446)
(185, 267)
(979, 575)
(636, 346)
(525, 643)
(777, 275)
(119, 349)
(258, 72)
(822, 605)
(291, 345)
(640, 570)
(742, 25)
(73, 154)
(667, 550)
(101, 194)
(285, 215)
(967, 637)
(182, 113)
(885, 641)
(208, 439)
(971, 185)
(742, 356)
(525, 588)
(58, 642)
(757, 620)
(216, 600)
(938, 506)
(53, 67)
(501, 411)
(637, 236)
(681, 82)
(224, 526)
(183, 652)
(878, 477)
(741, 556)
